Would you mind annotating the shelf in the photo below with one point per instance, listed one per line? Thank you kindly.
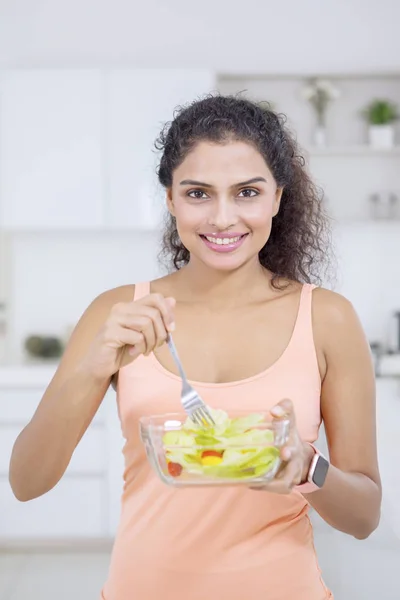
(361, 150)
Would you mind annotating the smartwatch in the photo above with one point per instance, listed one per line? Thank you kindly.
(316, 474)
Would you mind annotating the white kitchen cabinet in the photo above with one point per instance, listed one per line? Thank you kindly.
(75, 508)
(139, 102)
(17, 404)
(79, 505)
(388, 420)
(367, 569)
(51, 169)
(115, 463)
(88, 459)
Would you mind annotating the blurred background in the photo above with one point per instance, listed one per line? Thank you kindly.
(85, 87)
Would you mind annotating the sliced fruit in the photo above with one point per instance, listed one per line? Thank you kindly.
(206, 453)
(211, 458)
(174, 469)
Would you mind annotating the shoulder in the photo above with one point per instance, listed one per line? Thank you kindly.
(107, 299)
(332, 308)
(337, 327)
(98, 310)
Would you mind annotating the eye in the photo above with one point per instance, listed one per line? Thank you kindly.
(197, 194)
(248, 193)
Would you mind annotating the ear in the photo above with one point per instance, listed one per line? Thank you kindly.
(170, 203)
(277, 201)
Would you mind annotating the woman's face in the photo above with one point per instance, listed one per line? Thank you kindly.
(224, 197)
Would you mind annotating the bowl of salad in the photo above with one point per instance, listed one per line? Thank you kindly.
(241, 448)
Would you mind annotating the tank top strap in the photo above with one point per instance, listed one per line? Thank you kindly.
(142, 289)
(303, 332)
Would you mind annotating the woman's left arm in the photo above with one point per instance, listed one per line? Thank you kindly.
(350, 499)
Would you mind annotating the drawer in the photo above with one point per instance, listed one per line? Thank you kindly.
(17, 406)
(73, 509)
(89, 457)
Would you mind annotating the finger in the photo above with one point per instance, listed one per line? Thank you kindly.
(166, 307)
(134, 340)
(170, 320)
(141, 323)
(291, 474)
(149, 334)
(136, 350)
(160, 330)
(284, 410)
(288, 452)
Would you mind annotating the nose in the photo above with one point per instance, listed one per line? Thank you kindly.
(223, 214)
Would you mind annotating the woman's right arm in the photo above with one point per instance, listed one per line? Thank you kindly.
(94, 354)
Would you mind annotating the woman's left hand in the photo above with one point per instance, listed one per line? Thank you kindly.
(296, 455)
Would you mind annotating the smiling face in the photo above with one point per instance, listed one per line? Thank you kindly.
(224, 197)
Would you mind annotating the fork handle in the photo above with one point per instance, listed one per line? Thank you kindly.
(176, 358)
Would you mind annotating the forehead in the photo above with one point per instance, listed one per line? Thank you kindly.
(211, 161)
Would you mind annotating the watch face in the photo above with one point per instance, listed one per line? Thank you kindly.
(320, 471)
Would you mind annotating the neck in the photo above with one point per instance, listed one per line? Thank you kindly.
(231, 288)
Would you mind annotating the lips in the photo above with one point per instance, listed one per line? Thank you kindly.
(223, 242)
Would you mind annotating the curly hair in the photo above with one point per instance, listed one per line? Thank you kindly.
(298, 247)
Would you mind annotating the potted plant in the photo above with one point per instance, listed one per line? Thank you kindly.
(380, 115)
(320, 93)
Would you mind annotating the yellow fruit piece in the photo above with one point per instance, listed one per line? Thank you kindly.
(211, 461)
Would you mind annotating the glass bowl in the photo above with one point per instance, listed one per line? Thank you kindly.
(242, 449)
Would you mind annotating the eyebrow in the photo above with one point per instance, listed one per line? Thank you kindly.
(208, 185)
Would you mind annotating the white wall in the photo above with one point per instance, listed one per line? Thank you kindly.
(268, 36)
(367, 273)
(56, 276)
(51, 286)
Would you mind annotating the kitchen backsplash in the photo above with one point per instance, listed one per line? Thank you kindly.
(55, 276)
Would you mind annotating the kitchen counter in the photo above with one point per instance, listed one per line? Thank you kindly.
(389, 365)
(39, 374)
(27, 375)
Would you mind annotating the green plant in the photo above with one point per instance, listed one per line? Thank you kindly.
(381, 112)
(320, 93)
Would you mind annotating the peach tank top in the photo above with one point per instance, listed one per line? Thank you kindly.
(229, 543)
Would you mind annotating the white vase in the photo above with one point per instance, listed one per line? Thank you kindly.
(381, 136)
(320, 137)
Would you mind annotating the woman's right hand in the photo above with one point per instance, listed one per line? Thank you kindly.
(132, 329)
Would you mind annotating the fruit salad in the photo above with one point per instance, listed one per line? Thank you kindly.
(239, 448)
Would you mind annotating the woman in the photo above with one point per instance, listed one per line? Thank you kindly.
(246, 234)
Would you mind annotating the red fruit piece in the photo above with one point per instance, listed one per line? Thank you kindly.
(206, 453)
(174, 469)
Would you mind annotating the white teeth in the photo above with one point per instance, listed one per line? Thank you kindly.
(223, 241)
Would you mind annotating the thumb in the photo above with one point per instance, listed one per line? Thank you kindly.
(170, 302)
(284, 410)
(136, 350)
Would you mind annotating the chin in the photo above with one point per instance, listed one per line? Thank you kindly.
(226, 262)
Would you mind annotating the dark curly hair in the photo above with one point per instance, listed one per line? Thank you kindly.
(298, 247)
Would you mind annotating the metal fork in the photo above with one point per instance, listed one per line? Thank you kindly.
(193, 405)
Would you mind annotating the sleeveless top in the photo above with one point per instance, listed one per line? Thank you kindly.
(217, 543)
